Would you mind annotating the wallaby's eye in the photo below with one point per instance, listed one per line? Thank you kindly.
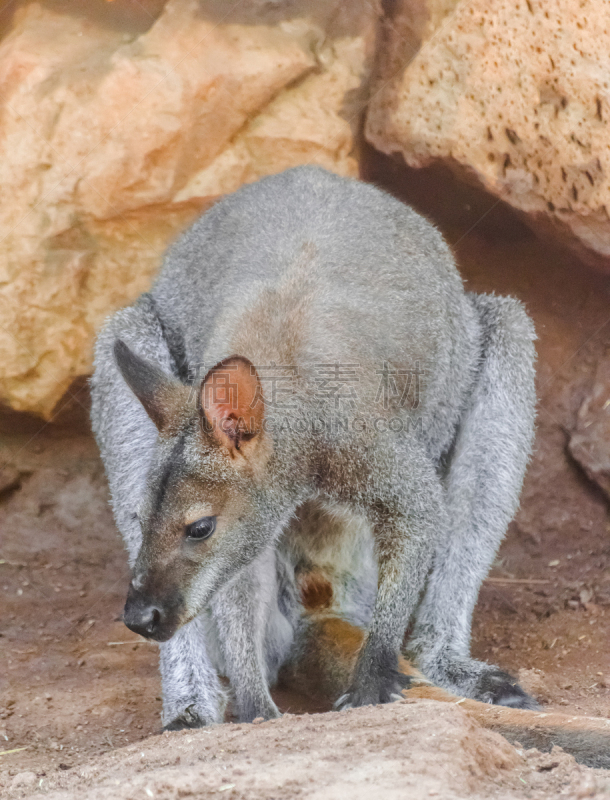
(201, 529)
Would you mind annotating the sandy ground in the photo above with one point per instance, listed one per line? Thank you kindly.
(76, 685)
(418, 750)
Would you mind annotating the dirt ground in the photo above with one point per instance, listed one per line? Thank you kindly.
(75, 684)
(418, 750)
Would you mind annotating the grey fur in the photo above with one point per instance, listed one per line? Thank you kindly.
(302, 269)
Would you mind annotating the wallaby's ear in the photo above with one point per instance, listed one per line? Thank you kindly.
(160, 394)
(232, 403)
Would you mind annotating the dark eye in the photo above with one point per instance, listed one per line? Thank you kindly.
(201, 529)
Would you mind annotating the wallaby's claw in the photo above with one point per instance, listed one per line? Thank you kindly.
(187, 720)
(258, 712)
(182, 724)
(389, 690)
(343, 703)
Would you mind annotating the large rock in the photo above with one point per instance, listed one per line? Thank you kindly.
(114, 140)
(515, 96)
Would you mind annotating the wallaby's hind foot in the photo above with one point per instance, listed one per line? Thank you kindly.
(478, 681)
(501, 689)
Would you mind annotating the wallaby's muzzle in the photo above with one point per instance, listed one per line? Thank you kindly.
(149, 618)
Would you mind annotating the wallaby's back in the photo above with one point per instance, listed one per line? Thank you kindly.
(305, 268)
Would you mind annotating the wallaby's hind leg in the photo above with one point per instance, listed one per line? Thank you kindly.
(192, 693)
(483, 483)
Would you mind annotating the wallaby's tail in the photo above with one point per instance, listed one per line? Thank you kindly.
(586, 738)
(325, 653)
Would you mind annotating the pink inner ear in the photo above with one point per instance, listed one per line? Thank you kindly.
(232, 400)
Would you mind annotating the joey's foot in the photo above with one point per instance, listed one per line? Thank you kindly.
(501, 689)
(386, 689)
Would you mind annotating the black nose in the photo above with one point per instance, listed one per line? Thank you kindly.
(141, 615)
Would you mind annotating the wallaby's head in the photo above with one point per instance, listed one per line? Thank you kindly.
(200, 516)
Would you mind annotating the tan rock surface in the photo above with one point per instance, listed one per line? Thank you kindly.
(513, 95)
(113, 141)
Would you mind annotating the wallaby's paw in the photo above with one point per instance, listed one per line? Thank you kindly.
(501, 689)
(188, 719)
(387, 690)
(182, 724)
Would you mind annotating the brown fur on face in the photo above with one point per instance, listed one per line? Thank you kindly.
(194, 477)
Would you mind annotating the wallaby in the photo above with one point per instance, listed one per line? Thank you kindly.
(308, 410)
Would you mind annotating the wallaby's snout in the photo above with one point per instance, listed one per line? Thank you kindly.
(147, 617)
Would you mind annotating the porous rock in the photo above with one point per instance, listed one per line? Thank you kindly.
(514, 96)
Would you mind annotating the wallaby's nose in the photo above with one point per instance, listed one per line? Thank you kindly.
(142, 616)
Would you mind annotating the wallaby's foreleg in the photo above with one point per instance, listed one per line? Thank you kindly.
(324, 655)
(192, 693)
(241, 612)
(483, 484)
(406, 509)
